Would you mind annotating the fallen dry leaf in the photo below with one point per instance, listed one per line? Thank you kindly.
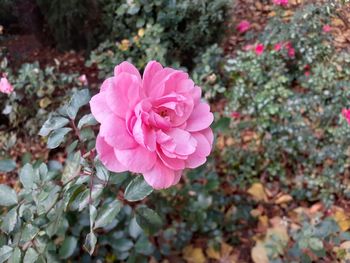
(193, 254)
(257, 190)
(283, 199)
(342, 219)
(259, 254)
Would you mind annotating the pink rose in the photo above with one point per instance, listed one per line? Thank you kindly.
(278, 46)
(156, 125)
(259, 49)
(326, 28)
(281, 2)
(346, 114)
(83, 80)
(243, 26)
(235, 115)
(5, 86)
(291, 52)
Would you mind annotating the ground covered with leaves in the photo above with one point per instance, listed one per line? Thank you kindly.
(277, 76)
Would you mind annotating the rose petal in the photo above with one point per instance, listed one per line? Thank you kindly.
(200, 119)
(107, 156)
(160, 176)
(98, 107)
(138, 160)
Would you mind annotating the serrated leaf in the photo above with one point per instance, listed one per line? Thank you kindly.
(90, 243)
(79, 99)
(107, 214)
(137, 189)
(16, 256)
(7, 165)
(53, 123)
(56, 137)
(5, 253)
(96, 192)
(9, 221)
(87, 120)
(101, 172)
(148, 220)
(72, 167)
(8, 196)
(26, 176)
(31, 256)
(68, 247)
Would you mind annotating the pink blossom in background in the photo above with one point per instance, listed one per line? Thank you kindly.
(277, 47)
(83, 80)
(243, 26)
(291, 52)
(5, 86)
(346, 114)
(307, 73)
(326, 28)
(259, 49)
(281, 2)
(235, 115)
(248, 47)
(156, 124)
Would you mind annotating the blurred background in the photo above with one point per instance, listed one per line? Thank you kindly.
(277, 76)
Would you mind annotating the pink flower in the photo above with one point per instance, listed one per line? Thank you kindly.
(291, 52)
(235, 115)
(248, 47)
(307, 73)
(346, 114)
(281, 2)
(259, 49)
(5, 86)
(243, 26)
(83, 80)
(278, 46)
(156, 125)
(326, 28)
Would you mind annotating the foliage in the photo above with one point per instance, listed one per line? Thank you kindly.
(289, 109)
(38, 91)
(38, 220)
(169, 31)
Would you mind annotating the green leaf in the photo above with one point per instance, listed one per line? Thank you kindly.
(8, 196)
(9, 221)
(90, 243)
(148, 220)
(134, 229)
(31, 256)
(137, 189)
(56, 137)
(68, 247)
(101, 172)
(93, 214)
(222, 124)
(53, 123)
(96, 192)
(16, 256)
(87, 120)
(7, 165)
(72, 167)
(144, 246)
(5, 253)
(28, 233)
(26, 176)
(79, 99)
(315, 244)
(107, 213)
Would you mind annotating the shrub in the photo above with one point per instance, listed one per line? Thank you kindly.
(290, 106)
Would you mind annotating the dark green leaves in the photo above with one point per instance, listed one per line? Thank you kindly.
(107, 213)
(137, 189)
(79, 99)
(148, 219)
(26, 176)
(53, 123)
(5, 253)
(68, 247)
(7, 165)
(56, 137)
(8, 196)
(90, 243)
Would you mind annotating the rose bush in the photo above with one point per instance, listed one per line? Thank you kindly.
(155, 125)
